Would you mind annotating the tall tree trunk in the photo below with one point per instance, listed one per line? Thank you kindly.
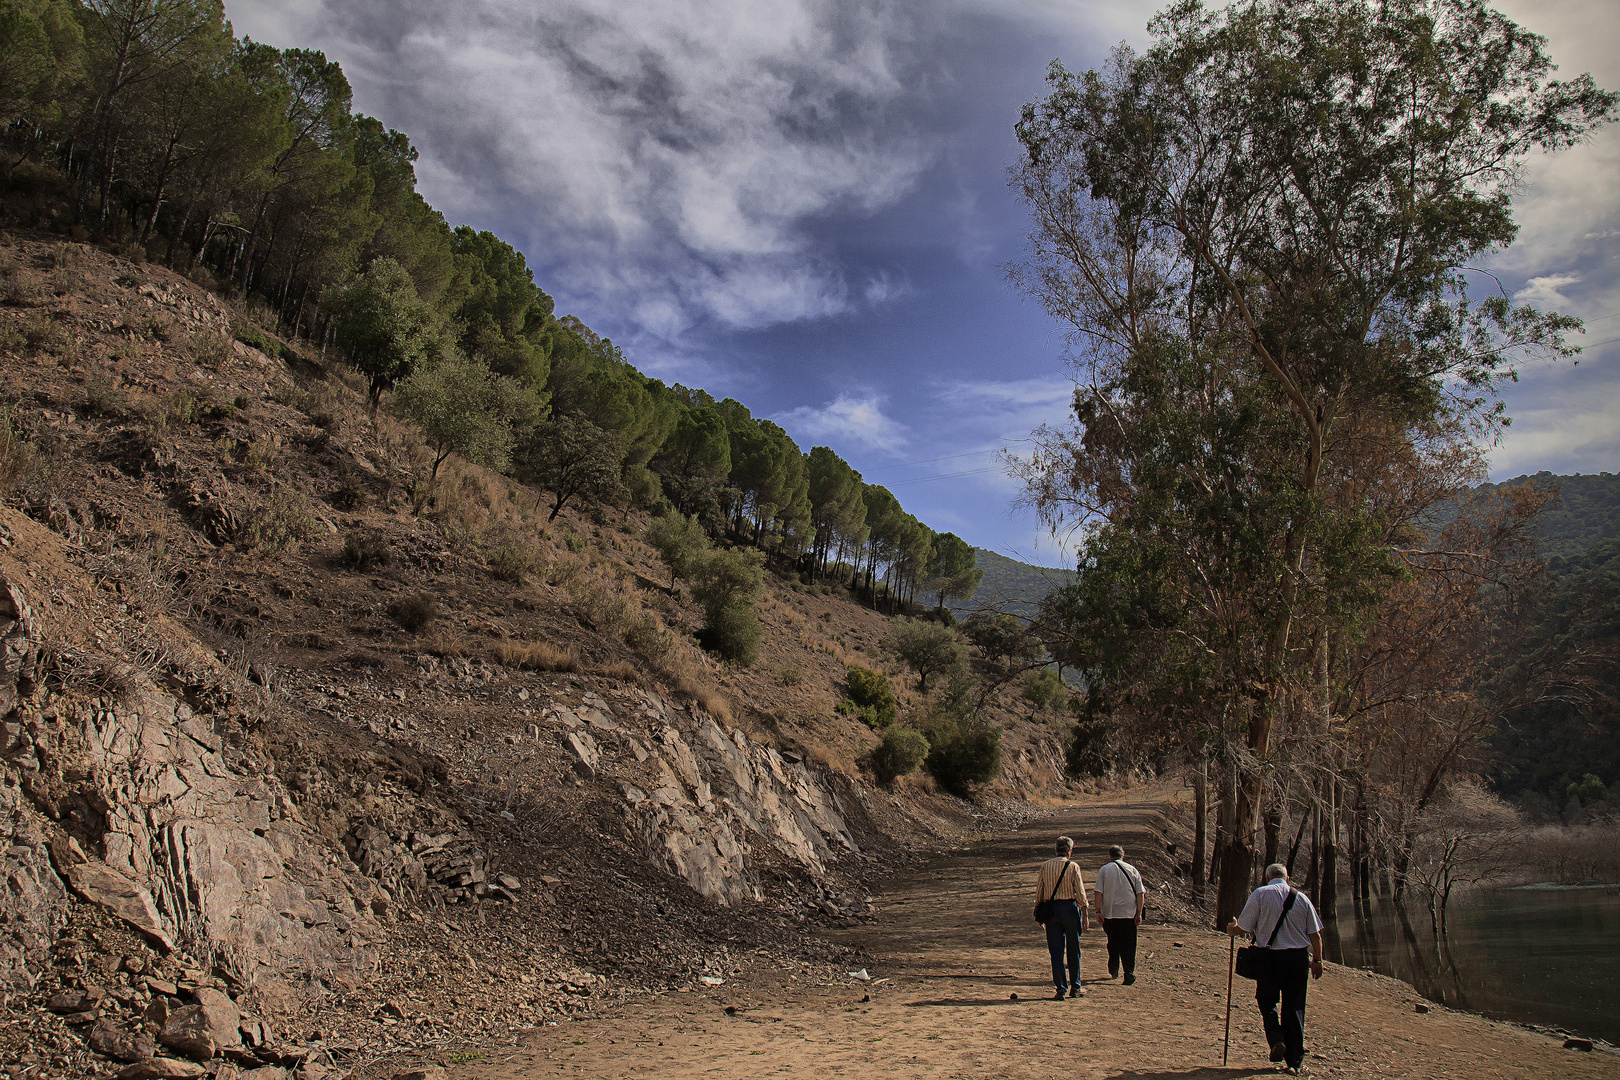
(1234, 846)
(1273, 829)
(1200, 815)
(1312, 874)
(1328, 908)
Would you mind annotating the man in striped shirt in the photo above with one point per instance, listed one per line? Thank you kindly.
(1060, 882)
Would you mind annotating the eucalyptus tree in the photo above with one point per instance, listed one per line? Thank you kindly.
(1277, 205)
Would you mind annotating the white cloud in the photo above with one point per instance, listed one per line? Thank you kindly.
(859, 420)
(671, 152)
(1571, 423)
(1546, 292)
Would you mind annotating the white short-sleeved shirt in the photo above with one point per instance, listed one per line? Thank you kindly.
(1120, 885)
(1266, 904)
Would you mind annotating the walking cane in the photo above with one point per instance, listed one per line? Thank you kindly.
(1231, 959)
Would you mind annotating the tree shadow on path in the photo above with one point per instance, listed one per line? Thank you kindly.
(1210, 1072)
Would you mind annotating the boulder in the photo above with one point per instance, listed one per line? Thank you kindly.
(100, 884)
(68, 1001)
(120, 1043)
(202, 1030)
(162, 1069)
(431, 1072)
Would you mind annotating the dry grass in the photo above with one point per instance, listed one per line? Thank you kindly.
(536, 656)
(623, 671)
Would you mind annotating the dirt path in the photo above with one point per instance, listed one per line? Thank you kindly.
(954, 941)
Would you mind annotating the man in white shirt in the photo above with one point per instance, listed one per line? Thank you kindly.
(1291, 935)
(1120, 901)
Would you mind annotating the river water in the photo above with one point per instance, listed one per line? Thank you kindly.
(1541, 955)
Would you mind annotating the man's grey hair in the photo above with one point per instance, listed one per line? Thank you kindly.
(1276, 870)
(1064, 845)
(1116, 852)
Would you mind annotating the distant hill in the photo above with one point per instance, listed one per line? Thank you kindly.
(1010, 585)
(1545, 750)
(1587, 513)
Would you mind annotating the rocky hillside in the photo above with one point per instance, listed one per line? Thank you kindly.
(311, 759)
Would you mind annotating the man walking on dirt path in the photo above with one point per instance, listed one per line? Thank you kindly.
(1121, 900)
(1060, 883)
(1287, 928)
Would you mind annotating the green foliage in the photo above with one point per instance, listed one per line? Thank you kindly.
(504, 317)
(695, 460)
(464, 408)
(871, 696)
(387, 329)
(837, 508)
(1549, 744)
(868, 687)
(951, 570)
(681, 542)
(1589, 789)
(899, 754)
(1044, 690)
(727, 584)
(1004, 639)
(41, 56)
(572, 458)
(964, 752)
(1090, 751)
(733, 631)
(254, 338)
(927, 648)
(415, 612)
(1009, 585)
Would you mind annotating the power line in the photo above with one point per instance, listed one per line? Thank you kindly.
(945, 476)
(925, 461)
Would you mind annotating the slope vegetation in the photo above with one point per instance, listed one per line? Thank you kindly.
(334, 761)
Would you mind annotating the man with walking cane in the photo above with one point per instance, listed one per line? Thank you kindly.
(1060, 904)
(1285, 920)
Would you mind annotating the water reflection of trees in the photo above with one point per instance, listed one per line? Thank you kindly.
(1423, 959)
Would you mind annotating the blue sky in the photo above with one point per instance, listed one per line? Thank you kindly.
(802, 204)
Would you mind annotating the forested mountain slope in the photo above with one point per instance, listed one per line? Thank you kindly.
(1564, 750)
(1009, 585)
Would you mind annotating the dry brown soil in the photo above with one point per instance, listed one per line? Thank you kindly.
(952, 946)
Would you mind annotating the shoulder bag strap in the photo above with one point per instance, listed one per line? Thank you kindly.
(1059, 884)
(1288, 905)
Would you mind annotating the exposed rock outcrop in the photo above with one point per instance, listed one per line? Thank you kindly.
(129, 797)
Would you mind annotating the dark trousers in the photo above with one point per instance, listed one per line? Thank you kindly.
(1288, 974)
(1121, 944)
(1063, 936)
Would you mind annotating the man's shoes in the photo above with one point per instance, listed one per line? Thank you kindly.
(1077, 991)
(1113, 970)
(1279, 1051)
(1060, 995)
(1130, 978)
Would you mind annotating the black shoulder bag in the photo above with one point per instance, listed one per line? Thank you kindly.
(1043, 908)
(1253, 961)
